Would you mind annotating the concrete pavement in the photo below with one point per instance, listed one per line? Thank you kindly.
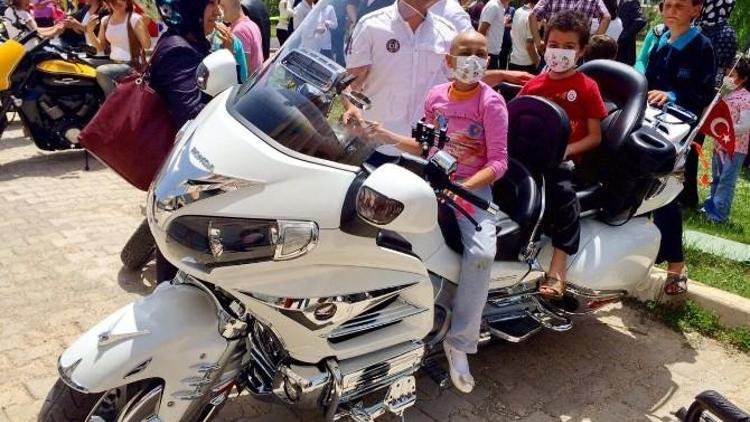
(61, 231)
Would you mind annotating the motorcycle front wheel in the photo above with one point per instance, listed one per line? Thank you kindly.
(139, 249)
(133, 402)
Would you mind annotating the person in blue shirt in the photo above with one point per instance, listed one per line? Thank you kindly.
(680, 70)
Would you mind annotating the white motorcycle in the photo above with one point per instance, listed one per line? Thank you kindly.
(312, 266)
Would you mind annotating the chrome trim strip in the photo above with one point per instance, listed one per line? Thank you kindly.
(395, 312)
(365, 380)
(66, 373)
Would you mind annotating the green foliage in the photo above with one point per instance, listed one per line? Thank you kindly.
(273, 7)
(740, 20)
(690, 317)
(715, 271)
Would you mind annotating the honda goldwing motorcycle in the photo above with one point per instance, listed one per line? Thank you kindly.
(52, 87)
(313, 269)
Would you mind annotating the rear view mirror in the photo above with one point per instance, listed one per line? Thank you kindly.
(217, 72)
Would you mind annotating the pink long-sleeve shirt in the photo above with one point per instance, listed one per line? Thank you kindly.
(477, 123)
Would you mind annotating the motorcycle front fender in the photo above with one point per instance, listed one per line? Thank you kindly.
(171, 334)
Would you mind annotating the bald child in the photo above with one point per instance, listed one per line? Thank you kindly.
(476, 119)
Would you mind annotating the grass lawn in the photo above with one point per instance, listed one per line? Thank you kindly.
(730, 276)
(738, 227)
(690, 317)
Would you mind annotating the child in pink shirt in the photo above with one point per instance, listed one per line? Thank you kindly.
(477, 122)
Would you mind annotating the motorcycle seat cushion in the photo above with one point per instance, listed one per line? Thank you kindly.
(538, 132)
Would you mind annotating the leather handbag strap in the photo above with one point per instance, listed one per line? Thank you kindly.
(137, 53)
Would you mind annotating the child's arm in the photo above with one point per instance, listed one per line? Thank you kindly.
(404, 143)
(495, 122)
(589, 142)
(648, 44)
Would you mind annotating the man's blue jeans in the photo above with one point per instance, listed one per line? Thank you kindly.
(725, 171)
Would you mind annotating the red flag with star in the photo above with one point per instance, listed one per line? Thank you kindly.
(719, 125)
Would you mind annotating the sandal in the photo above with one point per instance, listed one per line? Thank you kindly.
(676, 284)
(554, 286)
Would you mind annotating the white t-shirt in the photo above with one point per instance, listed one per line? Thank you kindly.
(403, 65)
(18, 17)
(520, 34)
(317, 29)
(613, 30)
(494, 14)
(453, 13)
(300, 13)
(117, 36)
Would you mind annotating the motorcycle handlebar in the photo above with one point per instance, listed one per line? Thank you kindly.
(473, 199)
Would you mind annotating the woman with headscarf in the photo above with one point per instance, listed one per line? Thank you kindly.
(177, 55)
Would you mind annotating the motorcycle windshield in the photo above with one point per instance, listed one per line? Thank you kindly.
(299, 98)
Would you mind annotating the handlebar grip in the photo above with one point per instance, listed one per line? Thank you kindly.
(474, 199)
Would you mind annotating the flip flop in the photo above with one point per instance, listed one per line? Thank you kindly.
(553, 284)
(676, 284)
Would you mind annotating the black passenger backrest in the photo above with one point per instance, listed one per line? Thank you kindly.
(624, 92)
(538, 132)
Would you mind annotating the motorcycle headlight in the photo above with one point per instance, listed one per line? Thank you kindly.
(221, 241)
(376, 207)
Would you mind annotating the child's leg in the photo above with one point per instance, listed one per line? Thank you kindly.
(476, 268)
(715, 176)
(724, 195)
(563, 213)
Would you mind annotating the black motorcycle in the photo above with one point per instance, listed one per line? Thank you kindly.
(52, 87)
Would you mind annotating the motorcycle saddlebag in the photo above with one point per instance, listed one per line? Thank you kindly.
(132, 133)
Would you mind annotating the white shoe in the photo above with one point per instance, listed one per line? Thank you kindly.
(458, 364)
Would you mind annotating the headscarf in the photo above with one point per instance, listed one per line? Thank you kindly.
(183, 16)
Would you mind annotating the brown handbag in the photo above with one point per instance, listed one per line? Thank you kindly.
(132, 132)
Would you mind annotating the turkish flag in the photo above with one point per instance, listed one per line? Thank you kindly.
(719, 125)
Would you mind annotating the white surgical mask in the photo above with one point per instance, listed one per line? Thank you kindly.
(729, 83)
(469, 69)
(560, 60)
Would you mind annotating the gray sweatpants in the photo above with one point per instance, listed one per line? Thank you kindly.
(476, 268)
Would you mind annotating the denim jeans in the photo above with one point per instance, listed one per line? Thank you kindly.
(725, 171)
(474, 279)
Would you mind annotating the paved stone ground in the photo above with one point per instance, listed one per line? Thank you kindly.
(61, 231)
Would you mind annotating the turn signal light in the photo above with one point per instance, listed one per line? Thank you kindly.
(376, 207)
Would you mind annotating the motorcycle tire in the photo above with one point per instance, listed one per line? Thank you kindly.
(139, 249)
(64, 404)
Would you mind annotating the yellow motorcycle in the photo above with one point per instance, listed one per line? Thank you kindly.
(52, 87)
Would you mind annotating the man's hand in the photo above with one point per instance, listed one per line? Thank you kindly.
(658, 98)
(517, 77)
(352, 116)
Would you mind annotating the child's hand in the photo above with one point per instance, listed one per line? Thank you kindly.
(225, 35)
(658, 98)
